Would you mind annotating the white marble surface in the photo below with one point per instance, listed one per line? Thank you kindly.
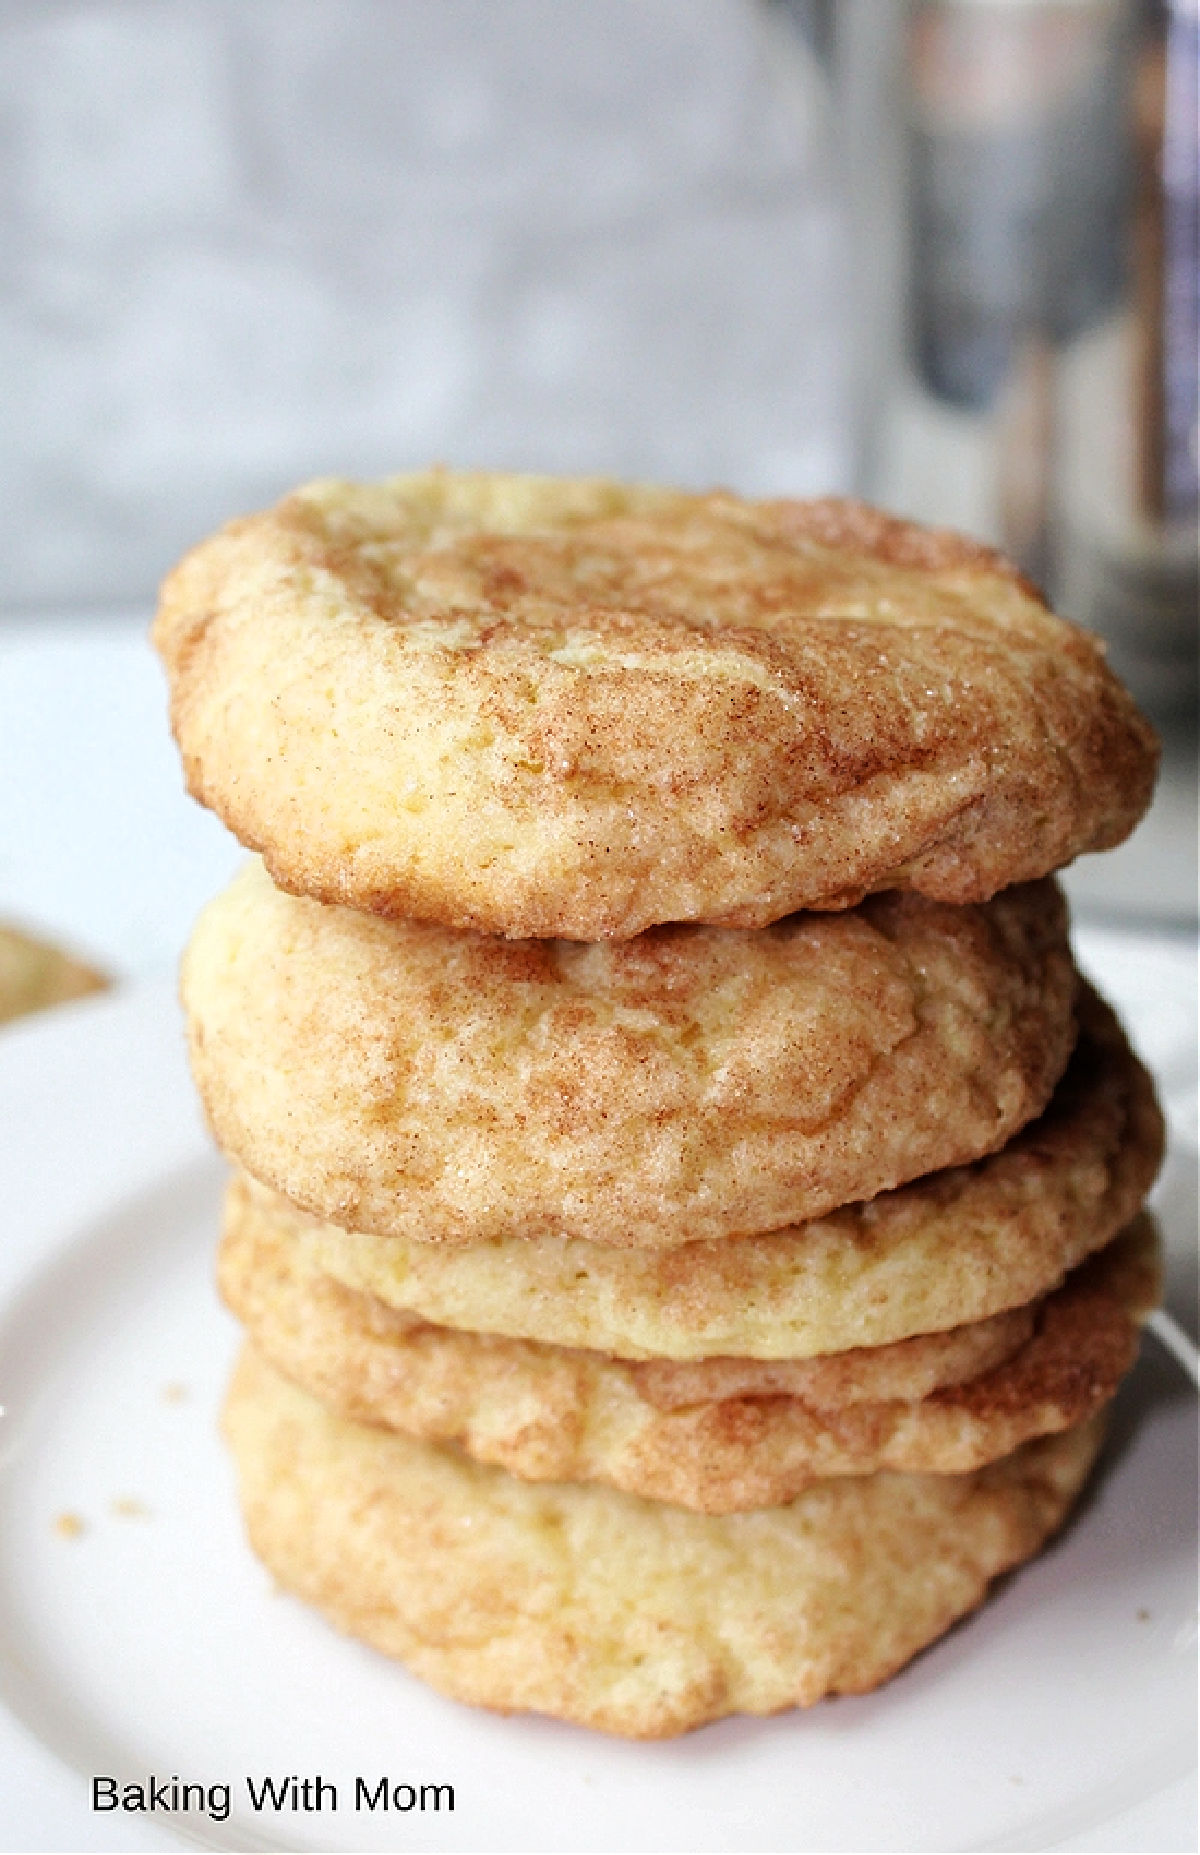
(248, 242)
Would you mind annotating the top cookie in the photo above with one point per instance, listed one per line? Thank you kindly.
(576, 709)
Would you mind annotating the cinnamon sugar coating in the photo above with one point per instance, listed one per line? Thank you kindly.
(578, 708)
(718, 1435)
(630, 1616)
(955, 1247)
(692, 1084)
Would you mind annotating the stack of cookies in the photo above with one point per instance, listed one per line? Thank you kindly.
(687, 1217)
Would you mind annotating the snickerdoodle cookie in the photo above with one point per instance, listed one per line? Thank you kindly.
(576, 709)
(632, 1616)
(695, 1083)
(957, 1247)
(35, 974)
(719, 1435)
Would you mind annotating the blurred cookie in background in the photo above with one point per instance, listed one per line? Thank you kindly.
(34, 974)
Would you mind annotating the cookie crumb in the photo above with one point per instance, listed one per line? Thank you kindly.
(70, 1526)
(128, 1507)
(175, 1393)
(1143, 1616)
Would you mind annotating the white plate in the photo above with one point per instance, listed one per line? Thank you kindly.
(151, 1643)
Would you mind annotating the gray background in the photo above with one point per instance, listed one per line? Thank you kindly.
(246, 242)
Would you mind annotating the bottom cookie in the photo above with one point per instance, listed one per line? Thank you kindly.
(619, 1613)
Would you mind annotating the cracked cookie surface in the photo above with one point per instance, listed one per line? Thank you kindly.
(693, 1084)
(576, 709)
(719, 1435)
(631, 1616)
(958, 1246)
